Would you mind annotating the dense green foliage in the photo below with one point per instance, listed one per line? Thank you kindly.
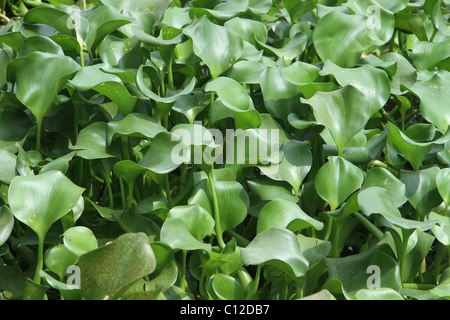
(349, 200)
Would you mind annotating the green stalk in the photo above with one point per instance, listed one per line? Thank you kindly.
(183, 282)
(122, 193)
(369, 226)
(336, 238)
(419, 286)
(40, 259)
(329, 226)
(108, 187)
(216, 209)
(167, 191)
(170, 75)
(300, 283)
(38, 134)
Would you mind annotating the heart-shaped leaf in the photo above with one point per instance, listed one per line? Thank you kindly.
(80, 240)
(218, 47)
(347, 104)
(109, 270)
(285, 214)
(277, 247)
(39, 201)
(336, 180)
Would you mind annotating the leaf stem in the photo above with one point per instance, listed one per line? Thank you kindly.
(38, 134)
(216, 209)
(369, 226)
(40, 259)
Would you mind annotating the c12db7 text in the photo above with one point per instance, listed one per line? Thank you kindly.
(229, 309)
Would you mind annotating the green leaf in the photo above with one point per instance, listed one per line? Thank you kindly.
(342, 38)
(434, 105)
(39, 201)
(109, 270)
(281, 97)
(224, 287)
(381, 177)
(166, 153)
(39, 78)
(376, 200)
(58, 258)
(421, 189)
(294, 167)
(232, 198)
(103, 20)
(218, 47)
(6, 224)
(8, 168)
(373, 82)
(156, 6)
(93, 78)
(174, 232)
(80, 240)
(411, 23)
(349, 105)
(336, 180)
(197, 220)
(443, 185)
(134, 125)
(279, 248)
(353, 271)
(91, 142)
(378, 294)
(281, 214)
(53, 17)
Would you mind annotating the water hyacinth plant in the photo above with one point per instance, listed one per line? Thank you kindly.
(224, 150)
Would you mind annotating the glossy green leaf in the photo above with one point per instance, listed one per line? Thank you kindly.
(342, 38)
(134, 125)
(109, 270)
(80, 240)
(158, 7)
(174, 232)
(294, 167)
(58, 258)
(337, 180)
(92, 78)
(196, 219)
(166, 153)
(8, 168)
(376, 200)
(443, 185)
(421, 189)
(353, 271)
(285, 214)
(381, 177)
(434, 105)
(232, 198)
(224, 287)
(378, 294)
(276, 247)
(281, 97)
(39, 201)
(346, 104)
(102, 21)
(40, 77)
(373, 82)
(53, 17)
(217, 46)
(91, 142)
(6, 224)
